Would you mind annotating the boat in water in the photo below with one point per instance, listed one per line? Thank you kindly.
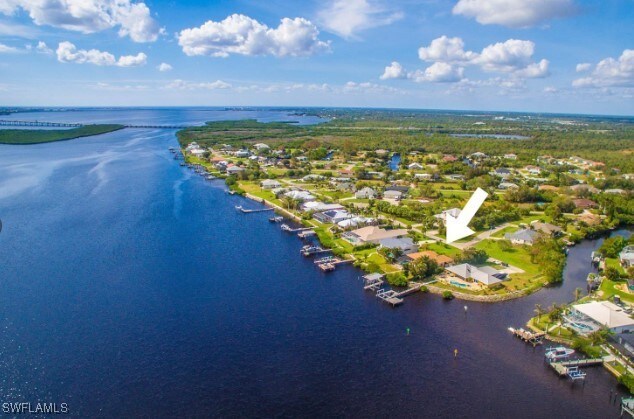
(559, 352)
(277, 219)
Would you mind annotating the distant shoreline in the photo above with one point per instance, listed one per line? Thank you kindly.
(40, 136)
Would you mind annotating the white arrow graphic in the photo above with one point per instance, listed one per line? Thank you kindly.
(457, 228)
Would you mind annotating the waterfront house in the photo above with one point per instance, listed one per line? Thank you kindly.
(626, 257)
(270, 184)
(372, 234)
(441, 260)
(546, 228)
(524, 236)
(234, 170)
(485, 275)
(604, 313)
(404, 244)
(332, 216)
(355, 222)
(365, 193)
(320, 206)
(415, 166)
(300, 195)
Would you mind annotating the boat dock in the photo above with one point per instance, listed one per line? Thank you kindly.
(372, 282)
(564, 368)
(390, 297)
(249, 211)
(305, 234)
(413, 287)
(627, 406)
(528, 336)
(313, 250)
(286, 227)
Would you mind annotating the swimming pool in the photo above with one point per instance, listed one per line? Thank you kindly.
(458, 284)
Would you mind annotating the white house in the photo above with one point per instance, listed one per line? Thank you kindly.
(302, 196)
(365, 193)
(332, 216)
(372, 234)
(270, 184)
(405, 244)
(626, 257)
(454, 212)
(261, 146)
(486, 275)
(605, 313)
(396, 195)
(415, 166)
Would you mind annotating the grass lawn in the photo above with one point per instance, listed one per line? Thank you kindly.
(444, 249)
(517, 256)
(501, 233)
(608, 290)
(614, 263)
(254, 189)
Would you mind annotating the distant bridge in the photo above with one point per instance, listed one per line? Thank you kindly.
(15, 123)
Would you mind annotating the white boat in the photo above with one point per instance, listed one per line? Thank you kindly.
(558, 352)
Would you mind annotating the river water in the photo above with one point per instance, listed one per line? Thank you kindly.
(131, 287)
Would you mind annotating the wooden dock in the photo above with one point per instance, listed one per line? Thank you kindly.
(627, 406)
(528, 336)
(249, 211)
(562, 367)
(286, 227)
(413, 287)
(390, 297)
(306, 233)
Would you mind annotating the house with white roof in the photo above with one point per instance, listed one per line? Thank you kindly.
(454, 212)
(485, 275)
(605, 313)
(404, 244)
(270, 184)
(415, 166)
(365, 193)
(332, 216)
(299, 195)
(372, 234)
(626, 257)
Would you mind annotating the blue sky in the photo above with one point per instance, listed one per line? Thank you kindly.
(517, 55)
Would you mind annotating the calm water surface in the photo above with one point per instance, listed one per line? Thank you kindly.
(130, 287)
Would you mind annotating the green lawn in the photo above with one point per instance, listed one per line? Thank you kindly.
(444, 249)
(608, 289)
(501, 233)
(517, 256)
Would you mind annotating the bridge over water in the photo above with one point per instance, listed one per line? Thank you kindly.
(16, 123)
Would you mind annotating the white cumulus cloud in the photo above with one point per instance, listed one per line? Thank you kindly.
(445, 49)
(188, 85)
(5, 49)
(348, 17)
(394, 71)
(43, 48)
(89, 16)
(240, 34)
(514, 13)
(439, 72)
(163, 67)
(583, 67)
(611, 72)
(68, 53)
(512, 56)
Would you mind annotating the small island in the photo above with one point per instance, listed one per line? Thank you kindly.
(39, 136)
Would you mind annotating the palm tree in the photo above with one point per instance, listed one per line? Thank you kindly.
(539, 311)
